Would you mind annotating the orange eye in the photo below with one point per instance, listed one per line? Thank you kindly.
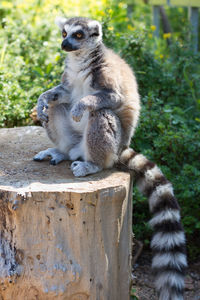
(64, 33)
(79, 35)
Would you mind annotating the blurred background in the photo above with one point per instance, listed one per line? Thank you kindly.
(167, 68)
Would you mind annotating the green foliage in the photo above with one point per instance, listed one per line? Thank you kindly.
(168, 133)
(169, 127)
(25, 67)
(133, 296)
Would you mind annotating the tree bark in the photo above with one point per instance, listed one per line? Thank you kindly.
(61, 237)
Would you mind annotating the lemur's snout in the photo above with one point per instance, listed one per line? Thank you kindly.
(67, 46)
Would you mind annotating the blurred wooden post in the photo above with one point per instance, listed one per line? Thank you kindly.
(130, 8)
(193, 6)
(194, 18)
(156, 14)
(156, 19)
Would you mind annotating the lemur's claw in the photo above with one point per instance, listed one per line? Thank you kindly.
(37, 159)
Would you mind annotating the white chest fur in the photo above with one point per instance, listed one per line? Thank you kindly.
(80, 87)
(79, 80)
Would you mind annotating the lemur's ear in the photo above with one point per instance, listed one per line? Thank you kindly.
(95, 28)
(60, 21)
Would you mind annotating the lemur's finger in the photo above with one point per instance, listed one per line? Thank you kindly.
(76, 115)
(45, 104)
(43, 117)
(76, 118)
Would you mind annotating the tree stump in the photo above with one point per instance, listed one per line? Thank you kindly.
(62, 237)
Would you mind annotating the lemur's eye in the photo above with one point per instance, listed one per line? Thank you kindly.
(64, 34)
(79, 35)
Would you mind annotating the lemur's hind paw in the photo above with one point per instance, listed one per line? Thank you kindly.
(56, 161)
(83, 168)
(40, 156)
(56, 156)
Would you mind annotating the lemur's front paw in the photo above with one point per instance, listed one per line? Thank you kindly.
(42, 109)
(77, 111)
(42, 115)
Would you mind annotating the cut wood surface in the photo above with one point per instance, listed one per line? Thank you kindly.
(61, 237)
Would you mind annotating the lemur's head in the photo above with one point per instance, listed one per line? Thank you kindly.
(79, 33)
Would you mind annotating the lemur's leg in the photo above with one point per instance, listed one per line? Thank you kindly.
(76, 152)
(60, 133)
(101, 142)
(56, 156)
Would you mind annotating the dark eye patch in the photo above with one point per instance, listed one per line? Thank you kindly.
(95, 31)
(94, 34)
(78, 35)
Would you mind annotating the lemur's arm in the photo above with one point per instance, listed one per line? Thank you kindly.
(99, 100)
(56, 95)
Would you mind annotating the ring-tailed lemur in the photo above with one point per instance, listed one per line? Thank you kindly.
(91, 116)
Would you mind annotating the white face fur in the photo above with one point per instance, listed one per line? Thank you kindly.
(79, 33)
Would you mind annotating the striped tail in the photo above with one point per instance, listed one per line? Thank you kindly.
(168, 242)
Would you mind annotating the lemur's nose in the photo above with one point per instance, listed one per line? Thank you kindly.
(67, 46)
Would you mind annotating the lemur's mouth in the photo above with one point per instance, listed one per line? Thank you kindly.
(67, 46)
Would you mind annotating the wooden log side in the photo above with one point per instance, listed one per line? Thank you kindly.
(62, 237)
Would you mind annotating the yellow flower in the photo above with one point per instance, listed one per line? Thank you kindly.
(121, 5)
(161, 56)
(130, 27)
(167, 35)
(150, 35)
(110, 11)
(57, 58)
(6, 4)
(110, 28)
(102, 13)
(153, 27)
